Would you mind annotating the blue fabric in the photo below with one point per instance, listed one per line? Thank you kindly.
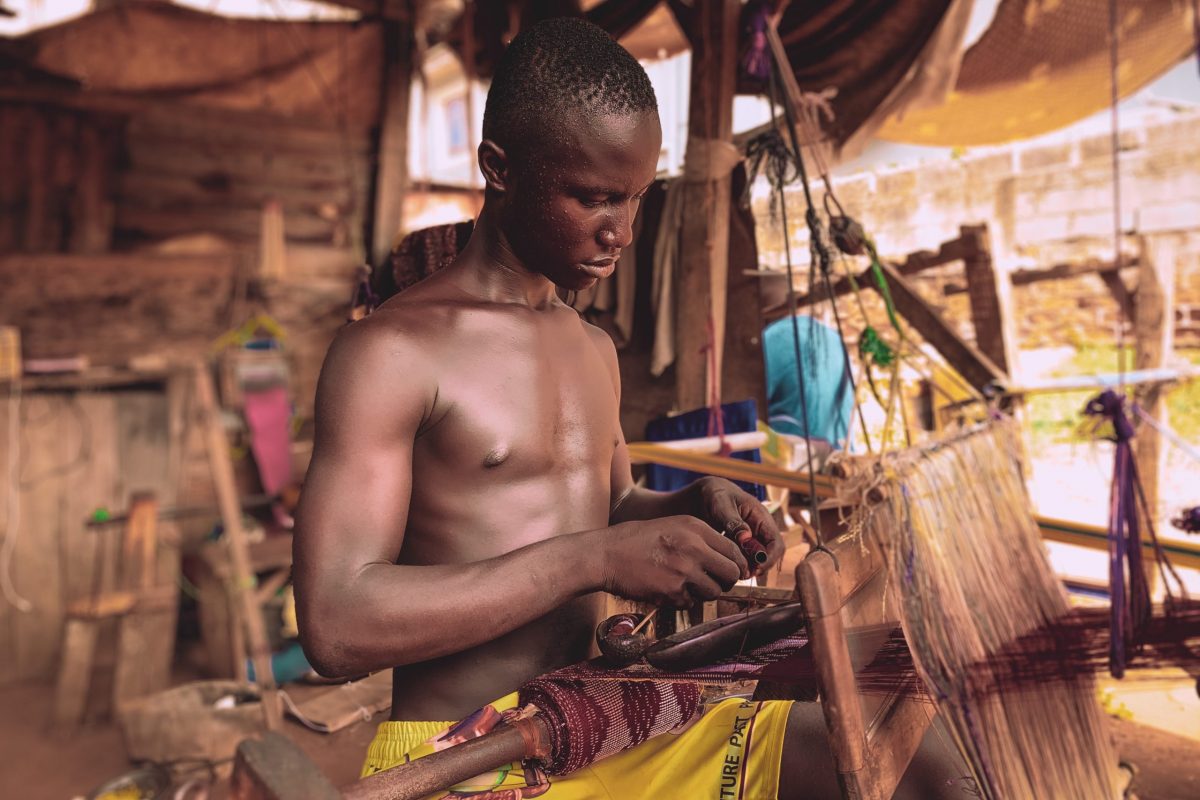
(740, 417)
(826, 381)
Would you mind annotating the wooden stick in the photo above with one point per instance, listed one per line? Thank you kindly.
(239, 553)
(736, 442)
(438, 771)
(645, 620)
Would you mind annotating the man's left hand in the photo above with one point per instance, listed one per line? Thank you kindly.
(727, 508)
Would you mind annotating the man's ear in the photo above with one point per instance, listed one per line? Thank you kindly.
(494, 164)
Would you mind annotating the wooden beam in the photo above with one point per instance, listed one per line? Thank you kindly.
(391, 172)
(1182, 554)
(919, 261)
(1124, 298)
(991, 299)
(1154, 338)
(979, 370)
(1073, 269)
(705, 231)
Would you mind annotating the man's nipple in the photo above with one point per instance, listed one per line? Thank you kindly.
(496, 457)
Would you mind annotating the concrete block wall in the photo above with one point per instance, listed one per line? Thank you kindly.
(1044, 204)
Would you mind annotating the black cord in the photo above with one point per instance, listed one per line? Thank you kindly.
(791, 294)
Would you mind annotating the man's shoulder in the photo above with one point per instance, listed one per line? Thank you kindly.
(391, 345)
(387, 329)
(599, 337)
(604, 345)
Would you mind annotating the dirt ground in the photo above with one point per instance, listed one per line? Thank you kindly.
(38, 764)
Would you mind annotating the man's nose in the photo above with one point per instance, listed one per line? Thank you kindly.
(618, 233)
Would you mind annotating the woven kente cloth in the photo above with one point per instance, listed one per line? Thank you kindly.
(591, 720)
(593, 711)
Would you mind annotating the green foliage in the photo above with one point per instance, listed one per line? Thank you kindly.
(1058, 418)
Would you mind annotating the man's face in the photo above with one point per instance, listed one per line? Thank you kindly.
(572, 199)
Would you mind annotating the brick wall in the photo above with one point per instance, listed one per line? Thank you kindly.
(1044, 204)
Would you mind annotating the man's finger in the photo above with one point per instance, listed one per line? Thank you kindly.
(765, 530)
(726, 514)
(729, 550)
(703, 587)
(721, 569)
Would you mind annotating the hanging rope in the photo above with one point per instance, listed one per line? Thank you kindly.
(716, 415)
(1115, 136)
(779, 169)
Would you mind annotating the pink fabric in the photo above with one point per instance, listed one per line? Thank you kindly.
(268, 413)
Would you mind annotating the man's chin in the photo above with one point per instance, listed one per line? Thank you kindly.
(579, 284)
(575, 279)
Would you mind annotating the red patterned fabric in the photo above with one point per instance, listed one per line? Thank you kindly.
(594, 711)
(592, 719)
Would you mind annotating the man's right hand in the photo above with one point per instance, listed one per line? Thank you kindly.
(673, 561)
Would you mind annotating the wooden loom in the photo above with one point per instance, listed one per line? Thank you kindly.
(848, 586)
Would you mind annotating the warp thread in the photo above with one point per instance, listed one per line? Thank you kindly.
(970, 577)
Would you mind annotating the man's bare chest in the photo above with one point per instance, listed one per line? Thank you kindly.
(525, 412)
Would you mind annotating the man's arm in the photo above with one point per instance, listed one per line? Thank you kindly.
(357, 609)
(360, 611)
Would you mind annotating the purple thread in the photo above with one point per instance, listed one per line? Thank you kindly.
(1129, 591)
(757, 61)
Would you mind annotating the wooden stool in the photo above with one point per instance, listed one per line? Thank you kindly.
(145, 612)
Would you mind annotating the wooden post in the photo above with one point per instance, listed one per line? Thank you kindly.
(705, 236)
(92, 211)
(235, 537)
(1154, 337)
(37, 165)
(744, 375)
(965, 357)
(391, 171)
(991, 299)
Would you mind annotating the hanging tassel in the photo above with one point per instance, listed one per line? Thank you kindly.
(1188, 520)
(756, 63)
(1129, 591)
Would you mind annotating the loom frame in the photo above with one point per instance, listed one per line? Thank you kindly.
(841, 585)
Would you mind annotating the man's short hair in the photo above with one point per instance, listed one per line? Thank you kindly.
(560, 67)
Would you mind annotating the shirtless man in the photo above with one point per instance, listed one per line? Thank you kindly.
(470, 493)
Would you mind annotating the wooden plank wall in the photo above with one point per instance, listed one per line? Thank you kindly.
(78, 449)
(56, 176)
(118, 306)
(169, 198)
(191, 170)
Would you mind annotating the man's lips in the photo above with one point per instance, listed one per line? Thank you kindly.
(600, 267)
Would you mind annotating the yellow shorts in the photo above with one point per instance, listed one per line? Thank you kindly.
(731, 753)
